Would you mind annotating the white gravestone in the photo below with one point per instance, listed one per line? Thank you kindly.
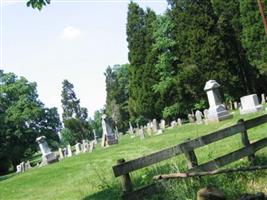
(263, 99)
(191, 118)
(149, 128)
(85, 146)
(69, 152)
(141, 133)
(155, 126)
(47, 156)
(18, 169)
(108, 137)
(162, 124)
(206, 114)
(131, 129)
(78, 148)
(217, 111)
(179, 121)
(199, 116)
(250, 104)
(61, 156)
(173, 124)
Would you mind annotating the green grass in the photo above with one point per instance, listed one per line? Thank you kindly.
(89, 176)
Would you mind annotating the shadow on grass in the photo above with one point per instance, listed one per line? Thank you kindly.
(5, 177)
(107, 194)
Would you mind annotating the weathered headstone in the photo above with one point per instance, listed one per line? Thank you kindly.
(22, 166)
(18, 169)
(60, 153)
(199, 116)
(263, 99)
(191, 118)
(149, 128)
(47, 155)
(85, 146)
(155, 126)
(141, 133)
(250, 104)
(179, 121)
(27, 165)
(162, 124)
(131, 128)
(217, 111)
(108, 137)
(69, 152)
(206, 114)
(173, 124)
(78, 148)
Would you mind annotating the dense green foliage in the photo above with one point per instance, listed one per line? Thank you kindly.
(172, 55)
(75, 117)
(23, 118)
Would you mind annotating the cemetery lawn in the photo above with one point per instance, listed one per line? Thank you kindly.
(89, 176)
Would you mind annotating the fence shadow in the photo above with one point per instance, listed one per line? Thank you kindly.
(107, 194)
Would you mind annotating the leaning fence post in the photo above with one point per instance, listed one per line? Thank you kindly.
(125, 180)
(191, 158)
(245, 141)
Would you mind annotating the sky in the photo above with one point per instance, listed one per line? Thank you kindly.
(74, 40)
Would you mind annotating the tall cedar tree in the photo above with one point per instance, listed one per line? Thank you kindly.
(202, 51)
(254, 39)
(143, 102)
(117, 95)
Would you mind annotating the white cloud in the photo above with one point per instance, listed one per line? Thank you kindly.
(70, 33)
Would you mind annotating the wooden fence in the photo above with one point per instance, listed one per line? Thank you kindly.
(123, 168)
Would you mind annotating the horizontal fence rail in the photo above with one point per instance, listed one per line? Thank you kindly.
(123, 168)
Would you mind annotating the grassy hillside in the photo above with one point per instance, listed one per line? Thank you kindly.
(89, 176)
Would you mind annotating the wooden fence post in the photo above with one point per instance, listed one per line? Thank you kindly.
(191, 158)
(125, 180)
(246, 142)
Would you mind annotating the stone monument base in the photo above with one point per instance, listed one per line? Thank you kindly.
(251, 109)
(49, 158)
(218, 113)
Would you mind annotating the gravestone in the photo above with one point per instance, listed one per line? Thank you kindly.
(108, 136)
(78, 148)
(18, 169)
(263, 99)
(199, 116)
(149, 128)
(60, 153)
(131, 129)
(91, 146)
(250, 104)
(179, 121)
(22, 166)
(47, 156)
(69, 151)
(217, 111)
(154, 126)
(191, 118)
(206, 114)
(162, 124)
(141, 133)
(85, 146)
(27, 165)
(173, 124)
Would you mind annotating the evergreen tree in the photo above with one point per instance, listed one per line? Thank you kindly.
(70, 103)
(254, 39)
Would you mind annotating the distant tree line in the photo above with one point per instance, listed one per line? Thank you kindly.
(172, 55)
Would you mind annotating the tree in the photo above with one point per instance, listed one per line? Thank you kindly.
(23, 118)
(37, 3)
(75, 117)
(117, 95)
(254, 39)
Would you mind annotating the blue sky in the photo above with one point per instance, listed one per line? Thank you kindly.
(67, 40)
